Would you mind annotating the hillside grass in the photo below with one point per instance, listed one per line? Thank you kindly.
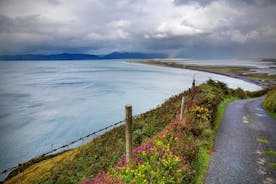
(37, 171)
(167, 150)
(99, 154)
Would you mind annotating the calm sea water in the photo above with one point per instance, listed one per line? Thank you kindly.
(46, 104)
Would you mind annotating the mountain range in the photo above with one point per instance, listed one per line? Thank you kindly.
(70, 56)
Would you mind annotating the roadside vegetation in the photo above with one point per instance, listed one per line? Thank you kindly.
(167, 150)
(270, 153)
(270, 102)
(264, 141)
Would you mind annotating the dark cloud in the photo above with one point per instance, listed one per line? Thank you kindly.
(179, 28)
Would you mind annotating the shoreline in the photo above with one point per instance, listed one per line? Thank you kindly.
(197, 68)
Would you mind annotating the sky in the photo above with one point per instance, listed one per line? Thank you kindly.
(178, 28)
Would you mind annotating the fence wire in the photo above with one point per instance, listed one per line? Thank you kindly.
(8, 170)
(5, 171)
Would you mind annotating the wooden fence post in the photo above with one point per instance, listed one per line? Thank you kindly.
(182, 108)
(193, 84)
(128, 111)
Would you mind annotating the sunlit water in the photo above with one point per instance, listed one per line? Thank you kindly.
(46, 104)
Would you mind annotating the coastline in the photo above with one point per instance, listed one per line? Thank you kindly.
(143, 64)
(263, 85)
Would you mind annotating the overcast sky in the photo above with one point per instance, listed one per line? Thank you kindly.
(179, 28)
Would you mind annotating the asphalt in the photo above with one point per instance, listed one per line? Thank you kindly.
(239, 156)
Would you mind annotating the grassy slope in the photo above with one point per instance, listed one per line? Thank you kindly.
(37, 171)
(180, 152)
(99, 154)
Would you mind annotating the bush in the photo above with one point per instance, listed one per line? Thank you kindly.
(200, 114)
(270, 101)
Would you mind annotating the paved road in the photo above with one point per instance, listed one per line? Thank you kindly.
(239, 156)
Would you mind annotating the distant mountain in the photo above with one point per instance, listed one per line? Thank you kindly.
(68, 56)
(132, 55)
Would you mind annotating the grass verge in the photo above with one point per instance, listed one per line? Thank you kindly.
(270, 153)
(206, 152)
(272, 114)
(273, 165)
(264, 141)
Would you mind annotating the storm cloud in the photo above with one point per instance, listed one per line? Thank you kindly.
(180, 28)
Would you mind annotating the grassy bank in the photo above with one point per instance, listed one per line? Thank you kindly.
(167, 150)
(180, 152)
(97, 155)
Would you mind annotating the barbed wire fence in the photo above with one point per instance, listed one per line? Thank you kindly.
(66, 147)
(63, 147)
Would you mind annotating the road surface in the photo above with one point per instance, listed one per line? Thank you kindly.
(239, 149)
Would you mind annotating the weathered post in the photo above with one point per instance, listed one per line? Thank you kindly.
(128, 109)
(182, 108)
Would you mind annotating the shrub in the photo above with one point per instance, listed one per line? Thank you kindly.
(200, 114)
(240, 93)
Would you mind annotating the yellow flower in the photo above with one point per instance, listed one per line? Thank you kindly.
(177, 158)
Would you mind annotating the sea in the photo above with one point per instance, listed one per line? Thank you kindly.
(45, 104)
